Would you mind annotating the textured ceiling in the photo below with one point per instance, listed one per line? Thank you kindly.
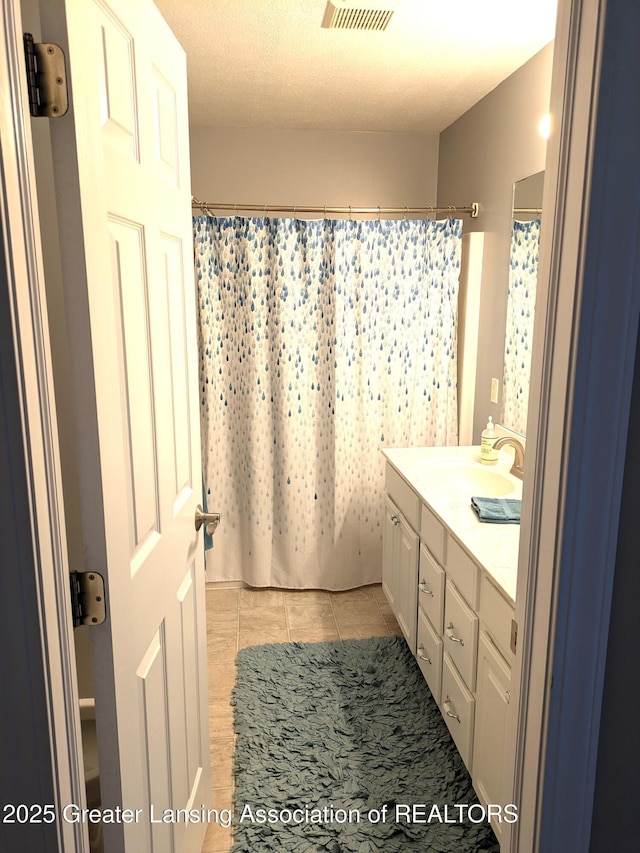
(269, 63)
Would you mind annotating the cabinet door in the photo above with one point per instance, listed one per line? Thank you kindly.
(390, 540)
(491, 770)
(407, 588)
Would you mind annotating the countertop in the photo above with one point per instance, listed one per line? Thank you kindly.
(494, 546)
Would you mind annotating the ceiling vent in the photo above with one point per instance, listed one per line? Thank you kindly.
(358, 15)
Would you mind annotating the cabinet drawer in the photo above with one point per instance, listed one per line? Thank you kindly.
(431, 589)
(458, 710)
(460, 635)
(403, 495)
(496, 614)
(463, 572)
(432, 533)
(429, 655)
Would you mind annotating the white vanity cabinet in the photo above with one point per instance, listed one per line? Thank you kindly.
(432, 586)
(457, 621)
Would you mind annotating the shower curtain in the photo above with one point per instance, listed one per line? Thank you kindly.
(321, 342)
(521, 301)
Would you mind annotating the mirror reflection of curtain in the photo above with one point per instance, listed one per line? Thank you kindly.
(523, 273)
(321, 342)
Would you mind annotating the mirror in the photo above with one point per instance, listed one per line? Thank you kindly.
(523, 272)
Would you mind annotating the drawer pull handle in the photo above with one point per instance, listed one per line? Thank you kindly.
(446, 704)
(452, 636)
(395, 520)
(421, 656)
(423, 588)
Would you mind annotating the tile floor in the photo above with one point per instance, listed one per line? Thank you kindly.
(237, 618)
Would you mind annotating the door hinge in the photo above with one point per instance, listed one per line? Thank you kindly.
(514, 635)
(46, 78)
(87, 598)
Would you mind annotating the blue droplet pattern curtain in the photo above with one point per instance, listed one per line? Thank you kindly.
(321, 342)
(521, 301)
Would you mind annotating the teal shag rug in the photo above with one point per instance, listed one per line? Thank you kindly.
(342, 749)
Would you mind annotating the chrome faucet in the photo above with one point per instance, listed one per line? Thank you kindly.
(517, 469)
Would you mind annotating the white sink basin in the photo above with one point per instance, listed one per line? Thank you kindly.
(467, 479)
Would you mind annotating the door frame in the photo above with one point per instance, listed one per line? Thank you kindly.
(584, 361)
(565, 438)
(35, 607)
(576, 68)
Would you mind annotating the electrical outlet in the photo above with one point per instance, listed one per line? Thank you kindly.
(495, 389)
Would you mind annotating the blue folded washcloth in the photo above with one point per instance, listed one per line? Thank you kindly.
(497, 510)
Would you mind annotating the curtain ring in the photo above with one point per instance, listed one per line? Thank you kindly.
(325, 211)
(266, 212)
(350, 216)
(294, 211)
(378, 213)
(406, 213)
(235, 209)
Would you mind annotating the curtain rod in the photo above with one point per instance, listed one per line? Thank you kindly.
(206, 207)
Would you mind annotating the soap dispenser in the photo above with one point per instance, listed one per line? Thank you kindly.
(488, 454)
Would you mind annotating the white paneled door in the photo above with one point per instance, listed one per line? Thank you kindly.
(121, 169)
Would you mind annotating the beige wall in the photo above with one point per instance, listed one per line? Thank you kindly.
(492, 145)
(313, 167)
